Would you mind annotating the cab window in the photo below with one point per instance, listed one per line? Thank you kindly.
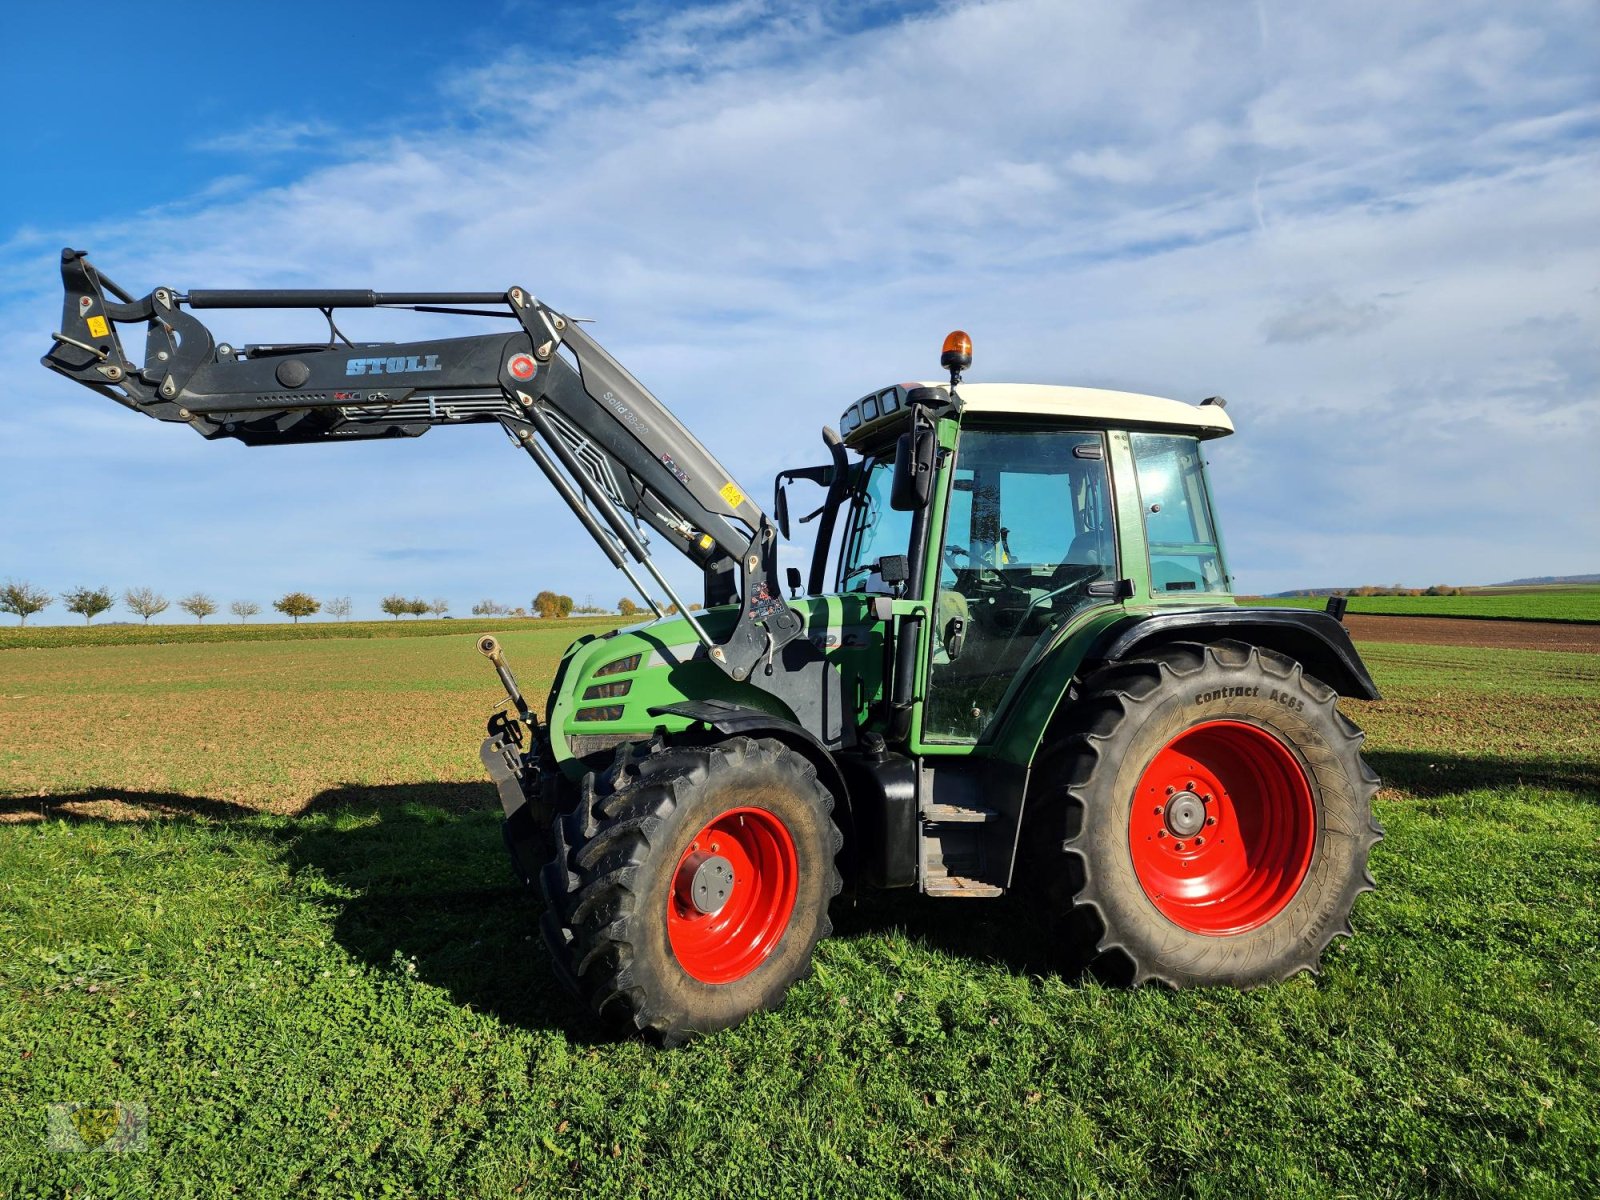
(876, 530)
(1184, 554)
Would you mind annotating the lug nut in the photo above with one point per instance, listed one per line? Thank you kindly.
(1170, 789)
(1177, 845)
(1158, 810)
(1189, 787)
(1199, 841)
(1161, 833)
(1206, 799)
(1211, 820)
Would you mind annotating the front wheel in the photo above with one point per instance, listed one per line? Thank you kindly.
(691, 886)
(1218, 817)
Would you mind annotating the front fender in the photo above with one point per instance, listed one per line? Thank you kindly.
(735, 720)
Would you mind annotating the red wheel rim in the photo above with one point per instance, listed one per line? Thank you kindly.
(749, 911)
(1222, 828)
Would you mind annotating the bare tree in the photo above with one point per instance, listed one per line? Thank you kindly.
(438, 606)
(145, 602)
(88, 602)
(488, 608)
(199, 605)
(244, 609)
(21, 597)
(339, 607)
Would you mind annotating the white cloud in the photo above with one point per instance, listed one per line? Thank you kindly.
(1371, 226)
(277, 136)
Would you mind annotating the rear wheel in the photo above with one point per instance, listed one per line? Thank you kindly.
(1217, 817)
(691, 884)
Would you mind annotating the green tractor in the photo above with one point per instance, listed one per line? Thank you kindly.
(1029, 671)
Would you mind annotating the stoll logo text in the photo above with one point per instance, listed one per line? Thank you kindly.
(392, 366)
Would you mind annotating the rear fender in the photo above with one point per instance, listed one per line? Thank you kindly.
(1314, 639)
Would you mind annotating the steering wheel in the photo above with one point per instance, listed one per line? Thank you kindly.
(974, 579)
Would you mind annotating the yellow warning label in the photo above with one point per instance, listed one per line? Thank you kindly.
(732, 494)
(98, 327)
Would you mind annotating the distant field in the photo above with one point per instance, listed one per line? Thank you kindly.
(1556, 602)
(260, 725)
(315, 969)
(15, 637)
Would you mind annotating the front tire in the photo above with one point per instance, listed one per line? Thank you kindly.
(1218, 817)
(691, 886)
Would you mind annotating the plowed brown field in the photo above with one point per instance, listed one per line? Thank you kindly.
(1464, 631)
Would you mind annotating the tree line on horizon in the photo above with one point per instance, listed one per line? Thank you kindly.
(1369, 589)
(23, 600)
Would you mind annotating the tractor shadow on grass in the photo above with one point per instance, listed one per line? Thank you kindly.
(424, 886)
(415, 879)
(1010, 932)
(1428, 776)
(115, 805)
(422, 877)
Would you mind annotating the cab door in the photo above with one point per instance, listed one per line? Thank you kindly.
(1028, 528)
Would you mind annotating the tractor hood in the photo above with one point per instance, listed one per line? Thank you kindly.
(607, 684)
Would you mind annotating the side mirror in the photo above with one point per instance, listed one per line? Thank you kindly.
(780, 508)
(793, 576)
(913, 470)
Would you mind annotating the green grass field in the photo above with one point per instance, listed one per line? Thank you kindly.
(259, 888)
(1549, 602)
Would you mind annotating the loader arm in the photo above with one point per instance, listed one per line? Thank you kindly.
(619, 457)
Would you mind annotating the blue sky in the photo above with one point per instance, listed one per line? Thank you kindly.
(1373, 227)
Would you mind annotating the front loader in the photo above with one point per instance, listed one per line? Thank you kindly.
(1029, 673)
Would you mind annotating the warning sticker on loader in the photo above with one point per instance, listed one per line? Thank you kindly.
(731, 493)
(98, 327)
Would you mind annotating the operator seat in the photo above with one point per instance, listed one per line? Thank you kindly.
(1092, 547)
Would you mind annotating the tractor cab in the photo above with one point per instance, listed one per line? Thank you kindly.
(1040, 511)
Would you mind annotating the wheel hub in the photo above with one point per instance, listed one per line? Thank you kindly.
(710, 880)
(1185, 815)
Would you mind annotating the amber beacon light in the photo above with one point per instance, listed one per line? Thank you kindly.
(957, 356)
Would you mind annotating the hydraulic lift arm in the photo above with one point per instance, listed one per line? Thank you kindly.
(619, 458)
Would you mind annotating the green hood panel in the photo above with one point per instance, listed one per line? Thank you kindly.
(606, 685)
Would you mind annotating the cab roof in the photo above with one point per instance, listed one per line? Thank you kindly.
(1095, 406)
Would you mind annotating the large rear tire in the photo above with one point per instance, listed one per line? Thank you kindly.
(691, 885)
(1217, 818)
